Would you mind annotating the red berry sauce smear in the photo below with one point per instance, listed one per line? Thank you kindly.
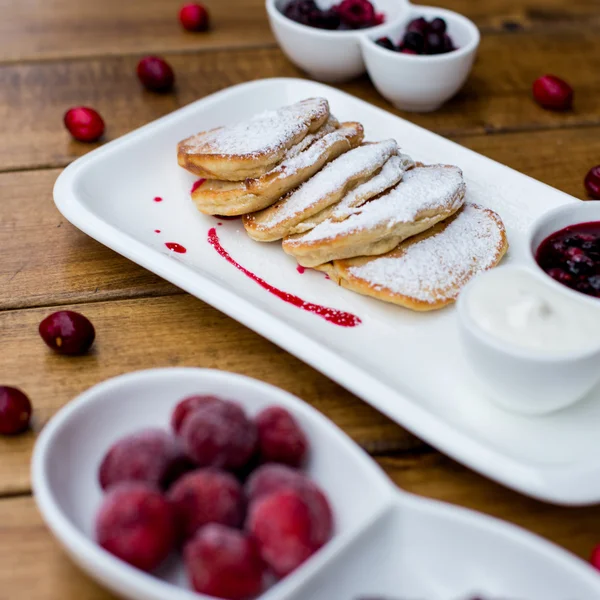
(176, 247)
(337, 317)
(197, 184)
(571, 256)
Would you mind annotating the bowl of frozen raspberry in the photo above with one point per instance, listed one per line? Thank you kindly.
(322, 37)
(422, 61)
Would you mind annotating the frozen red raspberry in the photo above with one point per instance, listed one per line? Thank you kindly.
(225, 563)
(151, 456)
(357, 14)
(286, 530)
(135, 523)
(273, 478)
(219, 435)
(280, 438)
(206, 496)
(186, 407)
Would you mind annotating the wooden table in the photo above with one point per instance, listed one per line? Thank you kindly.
(60, 53)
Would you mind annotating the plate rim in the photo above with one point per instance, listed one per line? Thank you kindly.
(556, 484)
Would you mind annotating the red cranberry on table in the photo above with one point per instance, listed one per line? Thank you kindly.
(553, 93)
(84, 123)
(194, 17)
(135, 523)
(592, 182)
(206, 496)
(67, 332)
(155, 73)
(595, 557)
(219, 435)
(15, 411)
(224, 563)
(151, 456)
(286, 530)
(280, 437)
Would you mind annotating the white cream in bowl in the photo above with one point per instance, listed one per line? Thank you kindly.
(534, 348)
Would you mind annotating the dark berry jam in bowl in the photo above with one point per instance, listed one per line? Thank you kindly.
(322, 37)
(424, 59)
(565, 245)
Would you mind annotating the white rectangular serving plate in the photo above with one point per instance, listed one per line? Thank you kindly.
(407, 365)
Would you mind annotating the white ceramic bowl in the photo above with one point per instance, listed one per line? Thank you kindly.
(421, 83)
(522, 380)
(331, 56)
(555, 220)
(385, 539)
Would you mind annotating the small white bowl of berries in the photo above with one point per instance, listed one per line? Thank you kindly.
(322, 37)
(423, 61)
(175, 482)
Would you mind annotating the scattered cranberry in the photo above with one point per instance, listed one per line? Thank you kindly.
(155, 74)
(206, 496)
(84, 123)
(592, 182)
(151, 456)
(219, 435)
(186, 407)
(194, 17)
(419, 25)
(270, 479)
(15, 411)
(595, 558)
(135, 523)
(286, 530)
(67, 332)
(224, 563)
(385, 42)
(280, 438)
(438, 25)
(356, 13)
(553, 93)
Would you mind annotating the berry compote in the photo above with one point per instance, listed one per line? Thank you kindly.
(572, 257)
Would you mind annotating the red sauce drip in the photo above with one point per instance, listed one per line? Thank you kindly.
(197, 184)
(337, 317)
(300, 269)
(158, 199)
(219, 224)
(157, 231)
(176, 247)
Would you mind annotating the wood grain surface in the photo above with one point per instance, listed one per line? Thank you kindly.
(59, 53)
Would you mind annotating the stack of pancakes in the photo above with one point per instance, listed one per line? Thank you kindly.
(364, 213)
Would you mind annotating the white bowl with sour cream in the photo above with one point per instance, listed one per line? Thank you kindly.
(534, 347)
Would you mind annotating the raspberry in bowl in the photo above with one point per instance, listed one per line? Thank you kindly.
(422, 61)
(322, 37)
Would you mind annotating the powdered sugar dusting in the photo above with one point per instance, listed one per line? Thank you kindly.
(310, 156)
(364, 159)
(265, 132)
(390, 174)
(331, 125)
(435, 268)
(421, 189)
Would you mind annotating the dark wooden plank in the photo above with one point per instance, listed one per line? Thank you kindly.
(32, 30)
(163, 332)
(496, 98)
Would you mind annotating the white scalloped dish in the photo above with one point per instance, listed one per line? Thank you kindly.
(386, 542)
(407, 365)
